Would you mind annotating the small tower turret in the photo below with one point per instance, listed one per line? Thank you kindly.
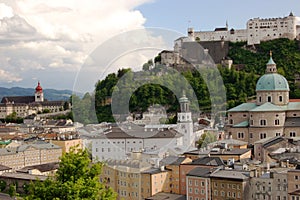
(39, 95)
(185, 122)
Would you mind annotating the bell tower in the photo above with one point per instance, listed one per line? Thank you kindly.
(39, 95)
(185, 122)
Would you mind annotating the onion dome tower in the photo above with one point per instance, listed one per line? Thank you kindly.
(39, 95)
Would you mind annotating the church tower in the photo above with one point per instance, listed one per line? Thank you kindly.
(272, 87)
(39, 95)
(185, 122)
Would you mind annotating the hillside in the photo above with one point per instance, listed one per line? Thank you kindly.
(285, 53)
(49, 94)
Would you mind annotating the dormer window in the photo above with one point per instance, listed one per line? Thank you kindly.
(269, 98)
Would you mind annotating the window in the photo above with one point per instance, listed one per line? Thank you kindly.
(269, 98)
(231, 121)
(190, 190)
(196, 191)
(276, 121)
(263, 122)
(296, 177)
(277, 134)
(228, 194)
(263, 135)
(292, 134)
(259, 99)
(280, 98)
(251, 135)
(196, 182)
(202, 183)
(251, 122)
(240, 135)
(222, 193)
(216, 192)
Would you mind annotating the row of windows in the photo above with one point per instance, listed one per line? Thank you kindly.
(269, 99)
(229, 186)
(128, 142)
(229, 194)
(196, 183)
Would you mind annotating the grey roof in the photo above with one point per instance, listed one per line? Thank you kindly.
(153, 171)
(38, 145)
(118, 133)
(3, 168)
(207, 161)
(7, 151)
(42, 168)
(18, 99)
(172, 160)
(292, 122)
(231, 174)
(273, 141)
(22, 176)
(221, 152)
(229, 142)
(200, 172)
(166, 196)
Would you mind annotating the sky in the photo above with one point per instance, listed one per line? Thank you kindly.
(55, 41)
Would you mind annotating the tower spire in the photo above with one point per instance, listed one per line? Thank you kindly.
(271, 65)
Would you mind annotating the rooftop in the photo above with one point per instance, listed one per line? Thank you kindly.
(166, 196)
(231, 174)
(200, 172)
(23, 176)
(207, 161)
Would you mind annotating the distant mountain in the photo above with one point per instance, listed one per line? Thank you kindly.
(49, 94)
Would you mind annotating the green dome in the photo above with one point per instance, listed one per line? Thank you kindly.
(272, 81)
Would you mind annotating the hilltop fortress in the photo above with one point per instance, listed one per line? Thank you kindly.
(257, 30)
(216, 43)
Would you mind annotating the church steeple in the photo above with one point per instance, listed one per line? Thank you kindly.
(39, 95)
(271, 65)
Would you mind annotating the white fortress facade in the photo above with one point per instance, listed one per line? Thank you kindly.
(257, 30)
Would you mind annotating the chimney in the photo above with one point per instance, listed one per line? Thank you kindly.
(268, 167)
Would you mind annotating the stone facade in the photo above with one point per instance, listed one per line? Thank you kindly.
(257, 30)
(272, 114)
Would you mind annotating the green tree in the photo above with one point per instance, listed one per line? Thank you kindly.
(76, 179)
(2, 185)
(12, 191)
(205, 139)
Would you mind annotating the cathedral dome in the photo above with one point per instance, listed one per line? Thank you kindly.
(272, 82)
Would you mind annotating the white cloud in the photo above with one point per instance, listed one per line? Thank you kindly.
(8, 77)
(43, 35)
(5, 11)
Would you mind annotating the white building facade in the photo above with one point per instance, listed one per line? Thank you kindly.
(257, 30)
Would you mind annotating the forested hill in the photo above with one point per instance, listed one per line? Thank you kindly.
(285, 53)
(240, 85)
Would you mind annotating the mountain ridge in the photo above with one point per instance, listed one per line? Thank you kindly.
(49, 94)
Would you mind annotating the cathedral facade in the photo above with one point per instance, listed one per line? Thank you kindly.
(273, 114)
